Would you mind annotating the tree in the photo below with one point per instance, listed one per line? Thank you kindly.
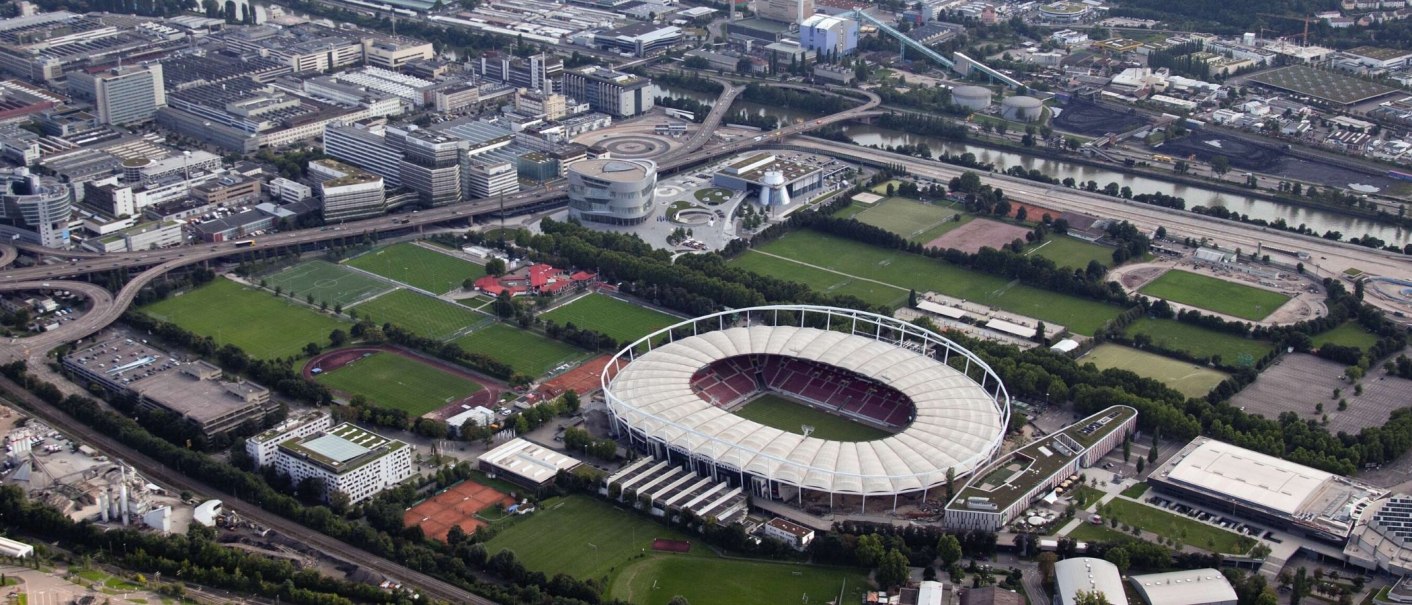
(495, 267)
(1039, 333)
(1046, 566)
(1119, 558)
(1220, 165)
(571, 401)
(912, 298)
(337, 337)
(892, 570)
(869, 550)
(1090, 597)
(948, 548)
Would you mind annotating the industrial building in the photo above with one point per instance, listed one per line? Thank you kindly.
(616, 192)
(525, 463)
(122, 96)
(347, 193)
(194, 391)
(1264, 488)
(535, 72)
(1187, 587)
(1088, 575)
(639, 39)
(788, 11)
(828, 35)
(35, 208)
(349, 460)
(615, 93)
(790, 180)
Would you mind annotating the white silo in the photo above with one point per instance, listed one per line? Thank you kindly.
(1021, 109)
(974, 98)
(773, 191)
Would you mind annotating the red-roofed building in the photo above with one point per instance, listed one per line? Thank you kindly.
(536, 279)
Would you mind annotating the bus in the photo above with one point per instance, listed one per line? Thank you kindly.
(245, 243)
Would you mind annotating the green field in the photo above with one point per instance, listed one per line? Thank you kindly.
(1085, 496)
(418, 267)
(1190, 380)
(422, 314)
(1073, 252)
(1199, 341)
(257, 322)
(588, 538)
(394, 381)
(1185, 530)
(787, 415)
(1089, 532)
(527, 352)
(1135, 491)
(902, 271)
(1214, 294)
(907, 217)
(1349, 334)
(621, 321)
(326, 281)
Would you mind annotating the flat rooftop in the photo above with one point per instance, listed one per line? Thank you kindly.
(343, 448)
(1379, 53)
(529, 460)
(753, 168)
(1246, 475)
(622, 171)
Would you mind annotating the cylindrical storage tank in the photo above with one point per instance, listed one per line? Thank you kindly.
(1021, 108)
(974, 98)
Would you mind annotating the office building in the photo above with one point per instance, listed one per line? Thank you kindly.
(122, 96)
(616, 192)
(535, 72)
(789, 11)
(35, 208)
(349, 460)
(431, 165)
(347, 193)
(828, 35)
(364, 144)
(552, 106)
(396, 53)
(264, 447)
(612, 92)
(639, 39)
(485, 177)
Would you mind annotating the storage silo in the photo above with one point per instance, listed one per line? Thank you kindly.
(974, 98)
(1021, 108)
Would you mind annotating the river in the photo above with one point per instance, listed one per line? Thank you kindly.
(1318, 220)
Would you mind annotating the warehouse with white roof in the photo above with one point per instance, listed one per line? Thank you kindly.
(1204, 586)
(526, 463)
(1087, 575)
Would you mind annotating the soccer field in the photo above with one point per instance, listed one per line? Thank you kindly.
(898, 271)
(589, 538)
(529, 353)
(257, 322)
(418, 267)
(1199, 341)
(393, 381)
(326, 281)
(1191, 380)
(906, 217)
(621, 321)
(787, 415)
(1214, 294)
(1073, 252)
(422, 314)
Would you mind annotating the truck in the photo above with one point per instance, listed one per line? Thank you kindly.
(245, 243)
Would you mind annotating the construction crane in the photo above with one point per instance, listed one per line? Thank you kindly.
(1304, 37)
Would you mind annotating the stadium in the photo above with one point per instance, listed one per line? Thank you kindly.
(682, 394)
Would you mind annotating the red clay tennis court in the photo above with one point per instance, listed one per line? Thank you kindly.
(584, 379)
(457, 505)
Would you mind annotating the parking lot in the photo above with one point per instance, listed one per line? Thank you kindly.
(1317, 378)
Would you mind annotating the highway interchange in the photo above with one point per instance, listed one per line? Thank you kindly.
(108, 307)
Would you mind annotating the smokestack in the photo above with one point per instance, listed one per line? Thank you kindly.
(103, 505)
(124, 504)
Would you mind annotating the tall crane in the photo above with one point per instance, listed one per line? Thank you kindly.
(1304, 37)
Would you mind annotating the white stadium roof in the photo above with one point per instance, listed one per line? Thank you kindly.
(1250, 476)
(958, 425)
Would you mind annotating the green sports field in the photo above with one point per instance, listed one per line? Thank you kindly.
(1214, 294)
(326, 281)
(527, 352)
(898, 271)
(1199, 341)
(906, 217)
(588, 538)
(1073, 252)
(418, 267)
(393, 381)
(257, 322)
(422, 314)
(783, 414)
(621, 321)
(1349, 334)
(1191, 380)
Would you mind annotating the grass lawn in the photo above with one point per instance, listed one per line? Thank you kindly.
(1199, 341)
(881, 188)
(422, 314)
(622, 321)
(1191, 380)
(327, 282)
(1214, 294)
(418, 267)
(1349, 334)
(787, 415)
(1187, 531)
(906, 217)
(1136, 491)
(588, 538)
(1073, 252)
(1085, 496)
(263, 326)
(393, 381)
(1088, 532)
(529, 353)
(714, 196)
(821, 280)
(903, 271)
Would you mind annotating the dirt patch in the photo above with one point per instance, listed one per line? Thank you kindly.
(486, 397)
(1137, 277)
(980, 233)
(665, 545)
(583, 380)
(457, 506)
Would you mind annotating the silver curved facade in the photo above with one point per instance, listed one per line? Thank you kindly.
(616, 192)
(36, 208)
